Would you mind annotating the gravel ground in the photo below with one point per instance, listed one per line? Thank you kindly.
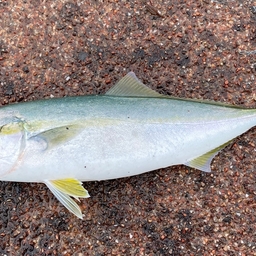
(194, 49)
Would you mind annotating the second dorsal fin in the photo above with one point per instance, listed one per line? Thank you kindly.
(131, 86)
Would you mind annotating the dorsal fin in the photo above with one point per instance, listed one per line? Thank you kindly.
(131, 86)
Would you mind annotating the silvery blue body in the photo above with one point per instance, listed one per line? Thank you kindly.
(117, 137)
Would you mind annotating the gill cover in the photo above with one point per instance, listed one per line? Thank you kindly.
(11, 142)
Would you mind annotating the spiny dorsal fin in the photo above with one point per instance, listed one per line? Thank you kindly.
(65, 188)
(131, 86)
(203, 162)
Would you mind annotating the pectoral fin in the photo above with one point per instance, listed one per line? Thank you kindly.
(65, 188)
(203, 162)
(57, 136)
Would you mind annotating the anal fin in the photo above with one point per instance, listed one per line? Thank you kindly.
(203, 162)
(64, 189)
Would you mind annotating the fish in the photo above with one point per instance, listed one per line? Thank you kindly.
(129, 130)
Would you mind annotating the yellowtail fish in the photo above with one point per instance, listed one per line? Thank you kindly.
(129, 130)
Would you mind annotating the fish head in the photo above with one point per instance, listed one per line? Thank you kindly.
(11, 140)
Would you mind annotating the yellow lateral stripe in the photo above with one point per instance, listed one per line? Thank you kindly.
(71, 186)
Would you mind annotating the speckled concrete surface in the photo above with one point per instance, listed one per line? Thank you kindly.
(196, 49)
